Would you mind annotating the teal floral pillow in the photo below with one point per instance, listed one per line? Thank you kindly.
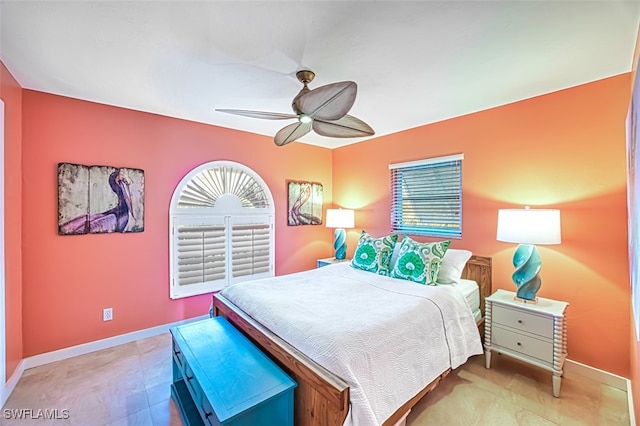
(419, 262)
(374, 254)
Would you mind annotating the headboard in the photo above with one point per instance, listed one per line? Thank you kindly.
(478, 269)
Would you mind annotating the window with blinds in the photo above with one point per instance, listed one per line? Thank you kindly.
(221, 229)
(250, 249)
(201, 254)
(426, 197)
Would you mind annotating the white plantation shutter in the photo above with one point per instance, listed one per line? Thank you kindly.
(426, 197)
(222, 229)
(250, 250)
(201, 254)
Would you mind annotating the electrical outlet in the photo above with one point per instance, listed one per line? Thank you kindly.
(107, 314)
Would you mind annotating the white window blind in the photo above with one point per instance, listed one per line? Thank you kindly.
(201, 254)
(426, 197)
(221, 228)
(250, 249)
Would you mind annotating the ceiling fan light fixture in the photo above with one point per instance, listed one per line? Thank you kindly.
(323, 110)
(304, 118)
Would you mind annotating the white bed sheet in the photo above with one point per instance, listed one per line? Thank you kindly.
(387, 346)
(471, 293)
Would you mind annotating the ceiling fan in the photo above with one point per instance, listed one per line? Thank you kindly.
(323, 110)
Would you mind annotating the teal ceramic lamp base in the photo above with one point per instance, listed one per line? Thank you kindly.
(340, 243)
(527, 262)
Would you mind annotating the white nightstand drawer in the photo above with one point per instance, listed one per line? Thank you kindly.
(520, 320)
(526, 345)
(533, 333)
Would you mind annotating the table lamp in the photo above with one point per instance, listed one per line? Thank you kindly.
(528, 227)
(340, 219)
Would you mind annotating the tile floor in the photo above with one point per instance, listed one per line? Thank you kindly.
(128, 385)
(514, 393)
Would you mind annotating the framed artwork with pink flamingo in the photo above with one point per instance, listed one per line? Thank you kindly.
(99, 199)
(305, 203)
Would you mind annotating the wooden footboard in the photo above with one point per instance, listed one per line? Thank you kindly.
(322, 398)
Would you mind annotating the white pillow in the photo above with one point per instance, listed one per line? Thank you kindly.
(452, 265)
(394, 255)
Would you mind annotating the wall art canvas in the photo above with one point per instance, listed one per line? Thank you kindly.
(99, 199)
(305, 203)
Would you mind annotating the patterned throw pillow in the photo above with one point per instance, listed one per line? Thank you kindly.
(419, 262)
(374, 254)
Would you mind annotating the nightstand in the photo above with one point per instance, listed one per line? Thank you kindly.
(330, 261)
(533, 333)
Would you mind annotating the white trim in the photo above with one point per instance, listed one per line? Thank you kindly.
(424, 162)
(632, 410)
(605, 378)
(595, 374)
(3, 307)
(85, 348)
(11, 383)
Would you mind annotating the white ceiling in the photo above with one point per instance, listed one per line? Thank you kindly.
(415, 62)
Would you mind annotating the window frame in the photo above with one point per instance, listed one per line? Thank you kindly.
(227, 211)
(448, 226)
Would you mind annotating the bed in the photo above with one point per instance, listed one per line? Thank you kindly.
(326, 390)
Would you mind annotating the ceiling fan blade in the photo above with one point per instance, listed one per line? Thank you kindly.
(291, 132)
(259, 114)
(330, 102)
(346, 127)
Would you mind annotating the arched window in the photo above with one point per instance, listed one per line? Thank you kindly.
(221, 229)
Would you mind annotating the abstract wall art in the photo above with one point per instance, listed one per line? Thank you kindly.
(99, 199)
(305, 203)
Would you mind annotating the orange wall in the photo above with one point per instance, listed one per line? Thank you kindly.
(11, 94)
(564, 150)
(68, 280)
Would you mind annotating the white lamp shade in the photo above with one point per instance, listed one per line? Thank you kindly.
(340, 218)
(529, 226)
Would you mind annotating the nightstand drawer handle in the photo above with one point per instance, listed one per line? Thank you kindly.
(207, 415)
(191, 378)
(519, 344)
(519, 321)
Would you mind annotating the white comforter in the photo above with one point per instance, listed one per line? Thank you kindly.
(387, 338)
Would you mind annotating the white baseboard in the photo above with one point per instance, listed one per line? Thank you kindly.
(85, 348)
(11, 383)
(604, 377)
(632, 411)
(601, 376)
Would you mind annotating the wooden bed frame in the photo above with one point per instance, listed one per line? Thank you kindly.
(322, 398)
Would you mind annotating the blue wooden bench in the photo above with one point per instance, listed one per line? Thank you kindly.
(221, 378)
